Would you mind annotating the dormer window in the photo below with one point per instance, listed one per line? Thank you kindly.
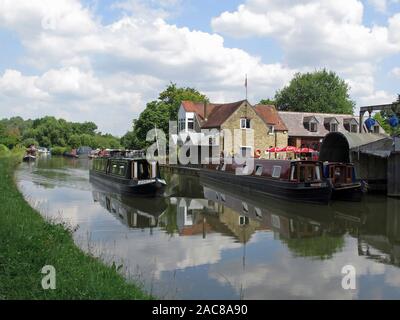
(271, 129)
(350, 124)
(331, 124)
(310, 123)
(313, 126)
(354, 128)
(244, 123)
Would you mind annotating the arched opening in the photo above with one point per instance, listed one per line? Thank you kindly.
(335, 148)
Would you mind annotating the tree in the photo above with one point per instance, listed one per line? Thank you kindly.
(319, 91)
(158, 113)
(267, 101)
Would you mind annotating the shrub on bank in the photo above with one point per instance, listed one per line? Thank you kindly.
(59, 151)
(4, 150)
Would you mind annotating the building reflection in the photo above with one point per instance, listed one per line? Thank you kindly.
(201, 208)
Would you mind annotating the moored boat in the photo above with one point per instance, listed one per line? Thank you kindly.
(30, 154)
(345, 185)
(128, 173)
(29, 158)
(285, 179)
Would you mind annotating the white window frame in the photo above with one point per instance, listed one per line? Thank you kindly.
(333, 124)
(247, 147)
(271, 129)
(245, 123)
(311, 123)
(276, 174)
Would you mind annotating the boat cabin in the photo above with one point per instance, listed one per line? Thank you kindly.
(340, 173)
(136, 169)
(290, 170)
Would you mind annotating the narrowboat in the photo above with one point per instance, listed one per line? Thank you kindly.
(294, 180)
(128, 174)
(29, 158)
(345, 186)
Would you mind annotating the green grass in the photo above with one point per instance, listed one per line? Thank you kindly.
(28, 243)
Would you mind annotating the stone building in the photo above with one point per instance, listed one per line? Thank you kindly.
(240, 119)
(308, 129)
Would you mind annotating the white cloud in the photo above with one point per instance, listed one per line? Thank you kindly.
(77, 63)
(318, 34)
(395, 72)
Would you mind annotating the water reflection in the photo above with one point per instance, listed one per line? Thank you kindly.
(203, 240)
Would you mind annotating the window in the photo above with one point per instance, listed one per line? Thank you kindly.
(243, 220)
(376, 129)
(259, 170)
(354, 128)
(190, 123)
(334, 127)
(244, 123)
(245, 207)
(276, 171)
(121, 170)
(271, 129)
(313, 127)
(181, 125)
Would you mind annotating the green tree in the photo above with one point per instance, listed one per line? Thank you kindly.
(319, 91)
(268, 101)
(74, 141)
(158, 113)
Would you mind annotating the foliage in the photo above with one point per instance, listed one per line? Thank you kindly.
(4, 150)
(51, 132)
(28, 242)
(268, 101)
(384, 116)
(58, 151)
(319, 91)
(158, 113)
(28, 142)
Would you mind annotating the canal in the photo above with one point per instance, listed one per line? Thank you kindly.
(206, 241)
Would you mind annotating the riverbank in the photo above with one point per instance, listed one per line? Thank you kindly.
(28, 243)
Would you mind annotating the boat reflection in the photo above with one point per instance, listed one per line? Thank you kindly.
(133, 212)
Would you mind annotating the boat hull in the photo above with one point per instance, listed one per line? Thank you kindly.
(29, 158)
(320, 193)
(126, 186)
(349, 192)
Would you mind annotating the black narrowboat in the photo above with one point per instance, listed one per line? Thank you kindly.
(128, 174)
(345, 185)
(285, 179)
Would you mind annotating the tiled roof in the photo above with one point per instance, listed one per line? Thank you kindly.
(270, 116)
(220, 113)
(295, 123)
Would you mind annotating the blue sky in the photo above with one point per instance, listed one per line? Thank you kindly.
(103, 60)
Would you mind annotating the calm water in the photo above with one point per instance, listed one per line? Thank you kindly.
(204, 241)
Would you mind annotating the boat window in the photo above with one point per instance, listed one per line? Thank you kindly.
(121, 170)
(143, 170)
(317, 172)
(293, 173)
(259, 170)
(276, 171)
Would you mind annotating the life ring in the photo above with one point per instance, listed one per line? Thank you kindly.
(257, 153)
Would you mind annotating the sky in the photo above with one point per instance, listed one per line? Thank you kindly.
(103, 60)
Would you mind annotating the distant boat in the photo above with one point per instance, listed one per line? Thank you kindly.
(29, 158)
(129, 173)
(43, 151)
(71, 154)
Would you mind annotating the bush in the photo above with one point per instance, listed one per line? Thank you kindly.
(58, 151)
(4, 150)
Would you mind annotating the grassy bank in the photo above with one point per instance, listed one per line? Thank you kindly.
(28, 243)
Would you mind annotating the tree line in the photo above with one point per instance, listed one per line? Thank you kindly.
(58, 134)
(321, 91)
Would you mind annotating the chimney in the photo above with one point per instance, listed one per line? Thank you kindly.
(205, 110)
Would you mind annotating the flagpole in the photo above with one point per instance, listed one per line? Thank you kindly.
(246, 85)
